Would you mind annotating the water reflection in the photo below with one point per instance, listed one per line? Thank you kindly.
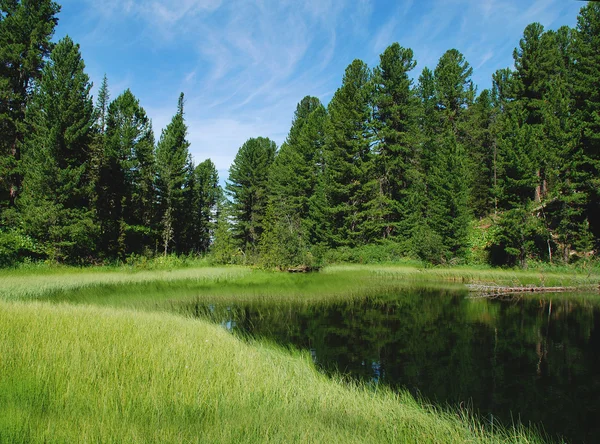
(536, 360)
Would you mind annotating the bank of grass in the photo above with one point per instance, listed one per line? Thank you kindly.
(91, 374)
(136, 287)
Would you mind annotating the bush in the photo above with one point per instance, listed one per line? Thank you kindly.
(15, 248)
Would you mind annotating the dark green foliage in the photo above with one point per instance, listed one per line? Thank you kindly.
(586, 150)
(297, 203)
(483, 154)
(248, 188)
(173, 167)
(202, 196)
(56, 203)
(387, 169)
(126, 182)
(519, 235)
(398, 152)
(447, 172)
(223, 249)
(350, 183)
(26, 28)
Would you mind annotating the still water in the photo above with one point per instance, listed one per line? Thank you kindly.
(534, 360)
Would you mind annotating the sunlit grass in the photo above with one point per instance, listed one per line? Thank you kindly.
(90, 355)
(90, 374)
(230, 284)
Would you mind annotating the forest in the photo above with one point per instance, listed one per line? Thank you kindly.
(398, 164)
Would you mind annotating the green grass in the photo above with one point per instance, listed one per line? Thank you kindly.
(91, 355)
(90, 374)
(118, 286)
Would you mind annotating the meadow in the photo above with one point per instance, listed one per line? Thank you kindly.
(95, 356)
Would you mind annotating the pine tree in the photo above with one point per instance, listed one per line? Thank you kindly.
(248, 188)
(26, 30)
(586, 150)
(209, 194)
(483, 154)
(293, 178)
(102, 105)
(173, 165)
(398, 156)
(538, 67)
(224, 249)
(57, 191)
(126, 183)
(349, 162)
(447, 175)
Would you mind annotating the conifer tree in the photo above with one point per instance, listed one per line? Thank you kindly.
(448, 179)
(224, 249)
(248, 188)
(207, 195)
(173, 166)
(293, 178)
(102, 104)
(348, 158)
(126, 183)
(26, 30)
(57, 191)
(585, 177)
(398, 157)
(98, 146)
(483, 154)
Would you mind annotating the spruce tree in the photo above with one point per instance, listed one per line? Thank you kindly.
(349, 162)
(248, 188)
(26, 30)
(586, 150)
(483, 154)
(173, 166)
(293, 179)
(57, 190)
(209, 194)
(398, 154)
(126, 183)
(102, 104)
(448, 178)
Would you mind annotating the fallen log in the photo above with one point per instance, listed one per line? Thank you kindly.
(302, 269)
(498, 290)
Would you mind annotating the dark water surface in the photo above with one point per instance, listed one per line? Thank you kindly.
(533, 360)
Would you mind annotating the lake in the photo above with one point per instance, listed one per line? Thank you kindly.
(534, 359)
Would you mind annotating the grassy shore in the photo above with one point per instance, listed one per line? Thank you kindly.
(90, 374)
(91, 355)
(127, 286)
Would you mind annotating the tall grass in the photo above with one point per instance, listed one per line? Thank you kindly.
(74, 370)
(90, 374)
(231, 284)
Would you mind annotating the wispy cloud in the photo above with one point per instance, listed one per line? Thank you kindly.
(244, 64)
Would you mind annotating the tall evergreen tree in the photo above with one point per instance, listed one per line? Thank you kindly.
(204, 196)
(126, 183)
(248, 188)
(448, 179)
(295, 173)
(57, 191)
(398, 156)
(102, 104)
(26, 30)
(483, 154)
(348, 158)
(173, 166)
(538, 68)
(586, 152)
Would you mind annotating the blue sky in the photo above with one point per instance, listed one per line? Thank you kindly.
(245, 64)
